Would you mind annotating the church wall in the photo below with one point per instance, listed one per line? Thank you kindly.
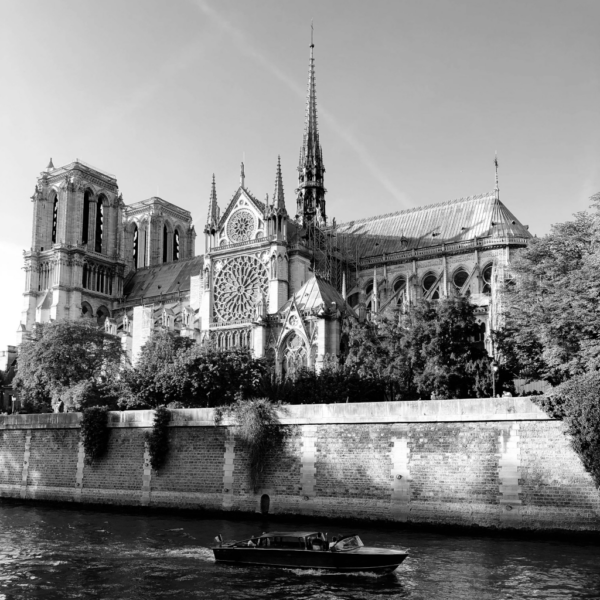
(498, 463)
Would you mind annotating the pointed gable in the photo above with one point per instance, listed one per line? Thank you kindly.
(318, 297)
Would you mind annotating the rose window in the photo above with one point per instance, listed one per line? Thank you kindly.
(239, 285)
(240, 226)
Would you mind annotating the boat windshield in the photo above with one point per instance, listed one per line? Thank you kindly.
(348, 543)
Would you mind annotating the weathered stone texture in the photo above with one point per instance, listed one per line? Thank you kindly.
(122, 466)
(434, 462)
(53, 458)
(194, 461)
(12, 447)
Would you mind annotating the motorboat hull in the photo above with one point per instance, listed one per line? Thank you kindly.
(379, 560)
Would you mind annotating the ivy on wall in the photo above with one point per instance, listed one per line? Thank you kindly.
(258, 430)
(158, 438)
(94, 432)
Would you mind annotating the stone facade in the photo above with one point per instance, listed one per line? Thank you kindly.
(281, 285)
(498, 463)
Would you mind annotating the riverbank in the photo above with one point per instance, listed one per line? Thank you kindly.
(498, 464)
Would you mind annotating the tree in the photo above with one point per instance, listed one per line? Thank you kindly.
(146, 385)
(177, 371)
(429, 351)
(73, 361)
(577, 403)
(551, 306)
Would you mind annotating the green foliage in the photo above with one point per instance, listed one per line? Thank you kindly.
(193, 376)
(94, 432)
(334, 383)
(552, 324)
(147, 385)
(258, 430)
(427, 352)
(158, 438)
(577, 403)
(70, 360)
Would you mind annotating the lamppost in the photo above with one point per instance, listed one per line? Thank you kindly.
(494, 371)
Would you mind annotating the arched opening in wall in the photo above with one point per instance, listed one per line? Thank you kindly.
(176, 244)
(295, 356)
(399, 288)
(101, 315)
(135, 245)
(86, 310)
(265, 504)
(368, 294)
(459, 278)
(479, 336)
(84, 278)
(100, 204)
(54, 218)
(429, 281)
(85, 225)
(487, 279)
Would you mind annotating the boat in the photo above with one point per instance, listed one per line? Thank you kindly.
(308, 550)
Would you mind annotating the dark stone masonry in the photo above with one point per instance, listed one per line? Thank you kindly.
(487, 462)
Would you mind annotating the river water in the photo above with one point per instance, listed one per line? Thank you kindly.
(48, 552)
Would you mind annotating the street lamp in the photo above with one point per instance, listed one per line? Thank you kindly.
(494, 371)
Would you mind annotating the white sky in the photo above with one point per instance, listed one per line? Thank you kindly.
(414, 98)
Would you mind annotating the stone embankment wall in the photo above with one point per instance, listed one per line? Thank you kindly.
(488, 462)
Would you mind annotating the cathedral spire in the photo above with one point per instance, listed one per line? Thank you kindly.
(242, 176)
(213, 208)
(278, 197)
(497, 188)
(311, 190)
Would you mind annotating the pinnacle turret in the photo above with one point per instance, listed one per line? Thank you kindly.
(278, 197)
(212, 220)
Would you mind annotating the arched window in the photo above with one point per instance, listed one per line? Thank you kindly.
(429, 282)
(86, 217)
(487, 279)
(459, 278)
(54, 219)
(176, 244)
(136, 240)
(399, 289)
(85, 276)
(101, 315)
(99, 223)
(165, 244)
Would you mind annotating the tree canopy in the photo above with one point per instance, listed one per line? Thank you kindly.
(551, 308)
(430, 351)
(72, 361)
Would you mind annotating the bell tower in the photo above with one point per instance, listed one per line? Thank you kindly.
(75, 266)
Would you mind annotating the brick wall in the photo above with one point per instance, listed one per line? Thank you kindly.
(490, 462)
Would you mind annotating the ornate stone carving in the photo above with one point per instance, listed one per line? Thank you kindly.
(240, 226)
(237, 285)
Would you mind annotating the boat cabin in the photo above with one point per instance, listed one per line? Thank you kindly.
(301, 540)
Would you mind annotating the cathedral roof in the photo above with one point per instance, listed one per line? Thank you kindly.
(171, 277)
(433, 225)
(318, 295)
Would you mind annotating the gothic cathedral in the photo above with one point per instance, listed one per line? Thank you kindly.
(283, 285)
